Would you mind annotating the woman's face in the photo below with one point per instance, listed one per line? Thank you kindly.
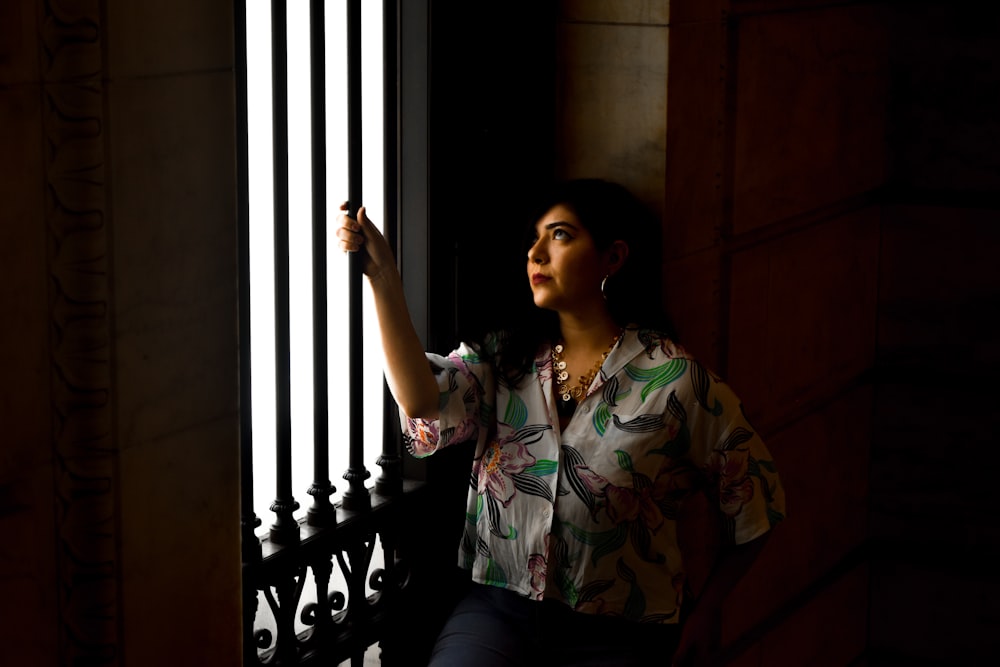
(565, 268)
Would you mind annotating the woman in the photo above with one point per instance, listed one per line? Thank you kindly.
(591, 426)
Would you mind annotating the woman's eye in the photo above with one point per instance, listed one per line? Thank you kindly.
(560, 234)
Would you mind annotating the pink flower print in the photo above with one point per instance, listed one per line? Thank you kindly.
(499, 462)
(595, 483)
(537, 568)
(462, 365)
(624, 504)
(465, 430)
(734, 496)
(627, 505)
(425, 435)
(729, 469)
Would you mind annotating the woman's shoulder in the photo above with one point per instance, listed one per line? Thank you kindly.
(658, 344)
(655, 349)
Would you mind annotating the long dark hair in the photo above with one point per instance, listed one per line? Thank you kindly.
(634, 294)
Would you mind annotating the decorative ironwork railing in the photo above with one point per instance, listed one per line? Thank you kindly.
(329, 557)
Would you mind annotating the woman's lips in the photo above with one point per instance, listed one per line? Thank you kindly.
(538, 279)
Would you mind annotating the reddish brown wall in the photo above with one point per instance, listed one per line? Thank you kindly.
(802, 154)
(758, 129)
(935, 539)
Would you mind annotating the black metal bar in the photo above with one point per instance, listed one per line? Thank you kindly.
(322, 568)
(390, 482)
(285, 529)
(321, 512)
(251, 550)
(288, 585)
(359, 612)
(248, 519)
(356, 497)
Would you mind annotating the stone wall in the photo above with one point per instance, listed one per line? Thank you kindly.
(119, 463)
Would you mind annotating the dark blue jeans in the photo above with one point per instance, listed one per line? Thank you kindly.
(493, 627)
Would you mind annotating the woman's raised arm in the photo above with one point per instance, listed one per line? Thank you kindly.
(409, 376)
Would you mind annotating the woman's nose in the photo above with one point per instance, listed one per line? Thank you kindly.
(536, 253)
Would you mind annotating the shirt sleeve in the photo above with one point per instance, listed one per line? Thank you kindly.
(465, 385)
(739, 470)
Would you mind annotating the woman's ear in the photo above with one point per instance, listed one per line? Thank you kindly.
(616, 255)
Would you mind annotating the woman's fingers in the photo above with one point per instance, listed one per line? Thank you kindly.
(353, 234)
(349, 233)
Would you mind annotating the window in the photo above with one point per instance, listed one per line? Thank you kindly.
(300, 244)
(299, 589)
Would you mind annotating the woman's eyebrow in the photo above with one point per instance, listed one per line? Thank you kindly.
(560, 223)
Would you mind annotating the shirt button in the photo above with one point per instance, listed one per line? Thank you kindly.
(585, 409)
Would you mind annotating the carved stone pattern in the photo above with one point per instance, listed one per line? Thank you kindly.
(84, 450)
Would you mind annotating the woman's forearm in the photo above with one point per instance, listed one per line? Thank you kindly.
(406, 369)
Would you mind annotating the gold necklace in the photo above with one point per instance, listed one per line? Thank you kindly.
(576, 392)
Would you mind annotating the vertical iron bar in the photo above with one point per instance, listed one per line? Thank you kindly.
(248, 520)
(321, 512)
(285, 529)
(289, 590)
(390, 482)
(356, 497)
(251, 550)
(359, 553)
(322, 568)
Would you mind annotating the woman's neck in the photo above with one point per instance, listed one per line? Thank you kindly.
(587, 334)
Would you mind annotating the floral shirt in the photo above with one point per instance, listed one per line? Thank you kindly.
(588, 515)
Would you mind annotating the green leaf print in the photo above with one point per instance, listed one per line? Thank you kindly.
(495, 576)
(542, 468)
(473, 519)
(624, 460)
(602, 415)
(517, 412)
(568, 589)
(656, 377)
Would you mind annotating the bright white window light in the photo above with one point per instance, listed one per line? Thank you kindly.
(300, 239)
